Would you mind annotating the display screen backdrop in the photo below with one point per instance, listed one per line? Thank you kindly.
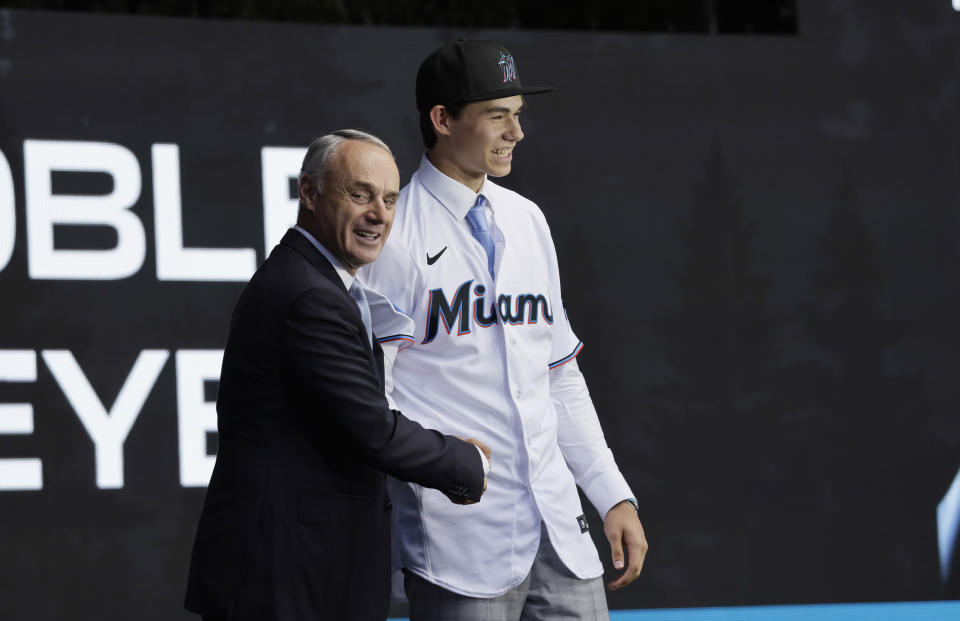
(757, 240)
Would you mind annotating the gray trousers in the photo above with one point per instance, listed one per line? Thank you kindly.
(549, 592)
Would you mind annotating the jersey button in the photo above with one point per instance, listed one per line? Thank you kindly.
(513, 342)
(518, 395)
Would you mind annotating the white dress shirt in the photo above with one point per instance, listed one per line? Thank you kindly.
(478, 363)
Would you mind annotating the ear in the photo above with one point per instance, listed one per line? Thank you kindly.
(441, 120)
(307, 192)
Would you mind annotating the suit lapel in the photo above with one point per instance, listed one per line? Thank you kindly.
(294, 239)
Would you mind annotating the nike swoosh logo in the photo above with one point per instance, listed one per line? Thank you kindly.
(433, 259)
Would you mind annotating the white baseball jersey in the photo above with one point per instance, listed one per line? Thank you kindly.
(478, 364)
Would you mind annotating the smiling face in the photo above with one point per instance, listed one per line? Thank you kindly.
(479, 142)
(353, 215)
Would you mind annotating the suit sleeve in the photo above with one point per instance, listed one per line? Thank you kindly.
(327, 362)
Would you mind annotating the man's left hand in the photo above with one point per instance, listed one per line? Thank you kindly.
(623, 530)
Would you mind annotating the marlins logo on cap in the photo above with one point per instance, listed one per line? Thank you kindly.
(468, 70)
(509, 67)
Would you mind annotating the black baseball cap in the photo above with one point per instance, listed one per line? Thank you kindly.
(466, 71)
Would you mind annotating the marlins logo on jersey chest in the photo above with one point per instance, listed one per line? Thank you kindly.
(469, 305)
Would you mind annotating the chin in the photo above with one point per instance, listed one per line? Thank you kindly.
(366, 258)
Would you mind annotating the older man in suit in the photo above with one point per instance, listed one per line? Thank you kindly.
(296, 520)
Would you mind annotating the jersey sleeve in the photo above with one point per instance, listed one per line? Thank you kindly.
(565, 346)
(394, 279)
(389, 324)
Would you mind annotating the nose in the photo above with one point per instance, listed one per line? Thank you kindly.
(378, 211)
(514, 132)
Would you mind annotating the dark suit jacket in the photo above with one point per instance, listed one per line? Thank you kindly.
(296, 521)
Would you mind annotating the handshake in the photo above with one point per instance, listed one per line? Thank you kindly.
(486, 451)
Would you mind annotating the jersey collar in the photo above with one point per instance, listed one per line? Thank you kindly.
(453, 195)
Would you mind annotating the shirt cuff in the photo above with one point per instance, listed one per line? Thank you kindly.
(607, 491)
(486, 462)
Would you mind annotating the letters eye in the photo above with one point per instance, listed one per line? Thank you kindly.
(390, 201)
(360, 197)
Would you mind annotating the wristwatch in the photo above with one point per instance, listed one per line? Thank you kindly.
(633, 501)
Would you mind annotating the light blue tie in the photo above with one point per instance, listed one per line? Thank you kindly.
(356, 292)
(477, 219)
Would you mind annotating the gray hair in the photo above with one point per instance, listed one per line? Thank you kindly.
(320, 151)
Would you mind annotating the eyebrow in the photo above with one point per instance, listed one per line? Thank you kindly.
(501, 109)
(372, 188)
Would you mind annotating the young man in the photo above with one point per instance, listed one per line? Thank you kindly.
(493, 356)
